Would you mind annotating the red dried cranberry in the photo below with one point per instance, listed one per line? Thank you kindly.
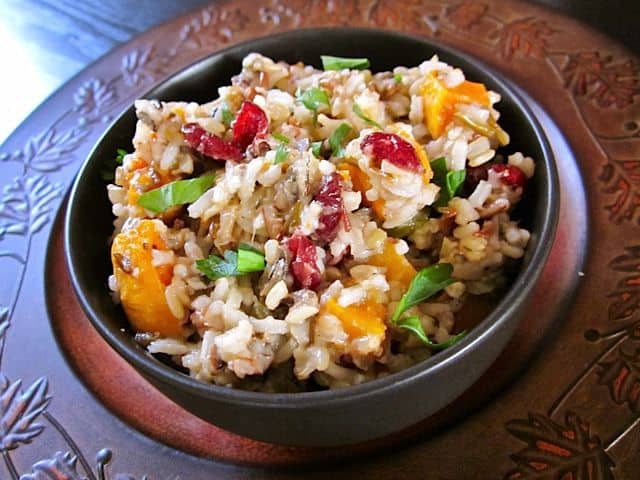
(393, 148)
(510, 175)
(330, 197)
(251, 122)
(304, 262)
(209, 144)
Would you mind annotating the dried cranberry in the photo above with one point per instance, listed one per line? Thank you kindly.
(209, 144)
(330, 197)
(510, 175)
(251, 122)
(304, 261)
(393, 148)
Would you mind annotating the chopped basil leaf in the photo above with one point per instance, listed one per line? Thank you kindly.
(336, 140)
(245, 260)
(107, 173)
(121, 153)
(397, 77)
(413, 324)
(282, 154)
(175, 193)
(448, 181)
(439, 168)
(340, 63)
(455, 179)
(408, 228)
(315, 148)
(314, 98)
(358, 111)
(227, 115)
(281, 137)
(426, 283)
(214, 267)
(249, 259)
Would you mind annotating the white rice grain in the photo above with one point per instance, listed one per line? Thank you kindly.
(480, 194)
(277, 293)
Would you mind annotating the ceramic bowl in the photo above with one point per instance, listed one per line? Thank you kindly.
(332, 417)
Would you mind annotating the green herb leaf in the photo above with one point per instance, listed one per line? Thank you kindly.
(214, 267)
(397, 77)
(439, 168)
(340, 63)
(408, 228)
(314, 98)
(245, 260)
(227, 115)
(282, 154)
(281, 137)
(336, 140)
(175, 193)
(249, 259)
(426, 283)
(315, 148)
(358, 111)
(449, 182)
(413, 324)
(121, 153)
(107, 172)
(455, 179)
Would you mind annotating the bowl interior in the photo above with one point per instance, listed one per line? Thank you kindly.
(89, 220)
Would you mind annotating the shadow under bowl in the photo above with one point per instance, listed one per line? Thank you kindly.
(332, 417)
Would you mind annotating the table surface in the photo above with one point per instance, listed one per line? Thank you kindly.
(579, 391)
(46, 42)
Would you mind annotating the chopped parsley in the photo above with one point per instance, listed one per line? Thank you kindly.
(358, 111)
(233, 263)
(337, 138)
(425, 284)
(449, 181)
(107, 173)
(175, 193)
(340, 63)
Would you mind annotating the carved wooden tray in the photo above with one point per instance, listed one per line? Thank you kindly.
(574, 412)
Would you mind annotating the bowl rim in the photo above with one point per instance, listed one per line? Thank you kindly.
(508, 305)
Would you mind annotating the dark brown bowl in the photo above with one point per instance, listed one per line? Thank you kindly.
(323, 418)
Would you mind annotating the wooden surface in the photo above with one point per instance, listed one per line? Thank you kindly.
(574, 412)
(46, 42)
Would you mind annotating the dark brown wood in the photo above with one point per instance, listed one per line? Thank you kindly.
(45, 42)
(576, 404)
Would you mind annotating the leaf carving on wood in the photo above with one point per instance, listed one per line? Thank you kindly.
(19, 411)
(411, 16)
(212, 27)
(626, 295)
(143, 65)
(50, 150)
(344, 12)
(466, 14)
(622, 376)
(527, 37)
(620, 179)
(62, 466)
(608, 82)
(26, 204)
(94, 97)
(558, 452)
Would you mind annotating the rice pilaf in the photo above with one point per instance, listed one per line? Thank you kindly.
(314, 228)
